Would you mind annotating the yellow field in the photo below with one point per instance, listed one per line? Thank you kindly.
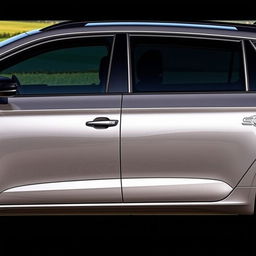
(11, 28)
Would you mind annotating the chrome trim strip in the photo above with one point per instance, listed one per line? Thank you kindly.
(4, 91)
(183, 36)
(115, 183)
(164, 24)
(129, 63)
(110, 63)
(69, 185)
(19, 36)
(49, 41)
(234, 202)
(152, 182)
(245, 67)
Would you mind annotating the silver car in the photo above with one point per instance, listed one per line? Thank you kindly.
(129, 117)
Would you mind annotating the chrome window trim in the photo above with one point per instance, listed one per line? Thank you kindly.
(129, 64)
(245, 68)
(50, 41)
(183, 36)
(125, 30)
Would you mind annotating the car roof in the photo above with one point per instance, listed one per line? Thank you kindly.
(162, 24)
(230, 31)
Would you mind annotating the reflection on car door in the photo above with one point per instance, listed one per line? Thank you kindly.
(49, 155)
(185, 146)
(60, 137)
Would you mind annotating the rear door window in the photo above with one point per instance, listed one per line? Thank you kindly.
(167, 64)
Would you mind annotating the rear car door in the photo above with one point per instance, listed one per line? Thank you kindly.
(59, 135)
(183, 136)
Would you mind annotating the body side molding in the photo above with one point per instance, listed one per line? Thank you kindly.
(139, 189)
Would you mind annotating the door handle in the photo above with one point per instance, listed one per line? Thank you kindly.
(102, 123)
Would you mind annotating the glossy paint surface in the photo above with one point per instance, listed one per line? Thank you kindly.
(189, 142)
(55, 145)
(173, 189)
(179, 152)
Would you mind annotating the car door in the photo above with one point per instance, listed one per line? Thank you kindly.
(59, 135)
(183, 136)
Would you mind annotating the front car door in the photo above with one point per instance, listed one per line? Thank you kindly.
(59, 136)
(183, 137)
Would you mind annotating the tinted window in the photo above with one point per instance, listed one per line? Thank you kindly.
(186, 65)
(251, 64)
(71, 66)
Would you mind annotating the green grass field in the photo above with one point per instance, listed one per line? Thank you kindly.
(77, 78)
(12, 28)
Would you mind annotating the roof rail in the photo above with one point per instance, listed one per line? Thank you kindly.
(209, 25)
(164, 24)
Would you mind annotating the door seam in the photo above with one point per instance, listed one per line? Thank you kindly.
(120, 149)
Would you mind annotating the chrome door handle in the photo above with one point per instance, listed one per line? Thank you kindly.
(102, 123)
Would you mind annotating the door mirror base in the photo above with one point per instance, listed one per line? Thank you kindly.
(8, 87)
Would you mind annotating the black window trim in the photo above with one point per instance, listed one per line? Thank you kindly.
(69, 37)
(129, 67)
(253, 45)
(244, 62)
(250, 43)
(110, 64)
(118, 82)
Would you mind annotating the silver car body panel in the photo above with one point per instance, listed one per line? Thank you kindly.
(44, 139)
(199, 141)
(65, 103)
(173, 189)
(200, 137)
